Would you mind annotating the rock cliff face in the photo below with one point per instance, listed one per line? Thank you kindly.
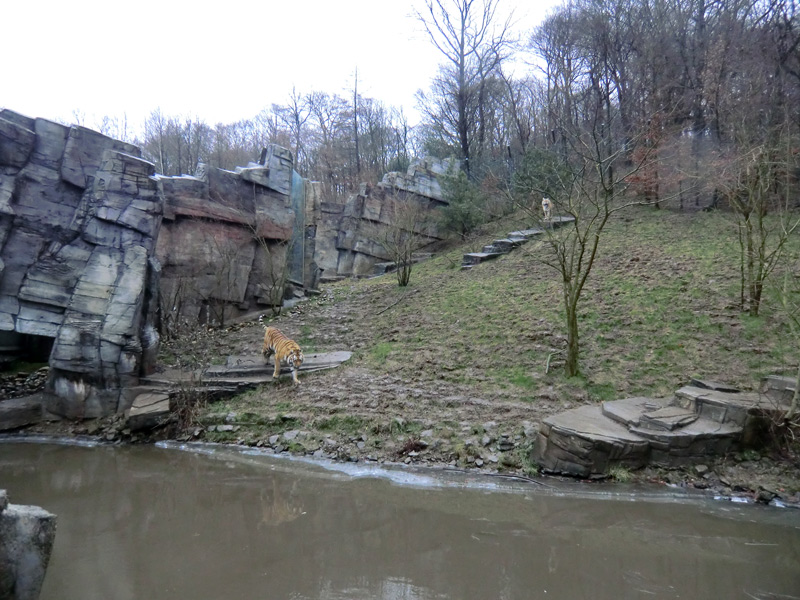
(98, 253)
(79, 217)
(224, 240)
(349, 234)
(100, 256)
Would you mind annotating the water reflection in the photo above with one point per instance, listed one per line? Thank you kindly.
(155, 523)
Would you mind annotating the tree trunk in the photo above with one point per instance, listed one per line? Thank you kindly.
(573, 344)
(751, 270)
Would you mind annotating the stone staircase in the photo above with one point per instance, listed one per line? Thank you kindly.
(506, 245)
(702, 420)
(153, 401)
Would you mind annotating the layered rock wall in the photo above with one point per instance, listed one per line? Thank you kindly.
(79, 216)
(99, 254)
(349, 235)
(224, 241)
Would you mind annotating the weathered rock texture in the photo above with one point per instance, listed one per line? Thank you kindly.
(26, 541)
(348, 235)
(79, 216)
(98, 253)
(224, 240)
(701, 420)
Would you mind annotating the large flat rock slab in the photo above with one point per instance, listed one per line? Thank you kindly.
(475, 258)
(696, 441)
(256, 365)
(149, 409)
(660, 414)
(694, 425)
(583, 442)
(243, 372)
(629, 411)
(526, 233)
(20, 412)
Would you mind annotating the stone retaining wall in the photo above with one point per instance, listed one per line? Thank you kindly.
(349, 234)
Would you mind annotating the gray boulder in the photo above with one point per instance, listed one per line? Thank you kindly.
(27, 534)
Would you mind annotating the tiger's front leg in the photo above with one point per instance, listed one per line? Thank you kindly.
(277, 373)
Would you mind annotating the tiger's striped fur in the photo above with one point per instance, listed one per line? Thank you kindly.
(285, 350)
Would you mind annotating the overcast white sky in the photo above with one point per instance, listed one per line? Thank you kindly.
(219, 62)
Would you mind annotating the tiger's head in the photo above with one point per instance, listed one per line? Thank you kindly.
(295, 358)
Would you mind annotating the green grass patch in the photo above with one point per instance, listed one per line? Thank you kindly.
(381, 352)
(346, 424)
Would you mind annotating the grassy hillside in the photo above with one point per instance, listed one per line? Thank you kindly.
(453, 370)
(660, 307)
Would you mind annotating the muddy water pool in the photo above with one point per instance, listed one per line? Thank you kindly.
(218, 523)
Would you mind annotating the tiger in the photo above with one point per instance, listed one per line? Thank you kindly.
(285, 350)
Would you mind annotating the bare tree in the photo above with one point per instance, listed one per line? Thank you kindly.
(591, 191)
(760, 186)
(474, 46)
(408, 233)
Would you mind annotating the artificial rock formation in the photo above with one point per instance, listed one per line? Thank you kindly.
(79, 216)
(224, 240)
(99, 255)
(348, 235)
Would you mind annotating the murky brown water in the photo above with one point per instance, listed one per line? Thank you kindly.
(156, 523)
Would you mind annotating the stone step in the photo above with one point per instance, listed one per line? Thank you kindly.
(475, 258)
(668, 418)
(649, 413)
(723, 407)
(714, 385)
(506, 244)
(694, 442)
(779, 388)
(242, 372)
(254, 365)
(628, 411)
(583, 442)
(526, 234)
(702, 420)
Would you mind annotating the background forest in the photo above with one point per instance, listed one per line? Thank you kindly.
(694, 85)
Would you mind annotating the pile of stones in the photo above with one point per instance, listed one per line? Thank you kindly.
(19, 384)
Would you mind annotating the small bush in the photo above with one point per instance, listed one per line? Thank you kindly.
(465, 210)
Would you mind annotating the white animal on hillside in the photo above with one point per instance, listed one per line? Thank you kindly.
(547, 208)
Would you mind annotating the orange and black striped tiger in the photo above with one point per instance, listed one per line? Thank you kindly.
(285, 350)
